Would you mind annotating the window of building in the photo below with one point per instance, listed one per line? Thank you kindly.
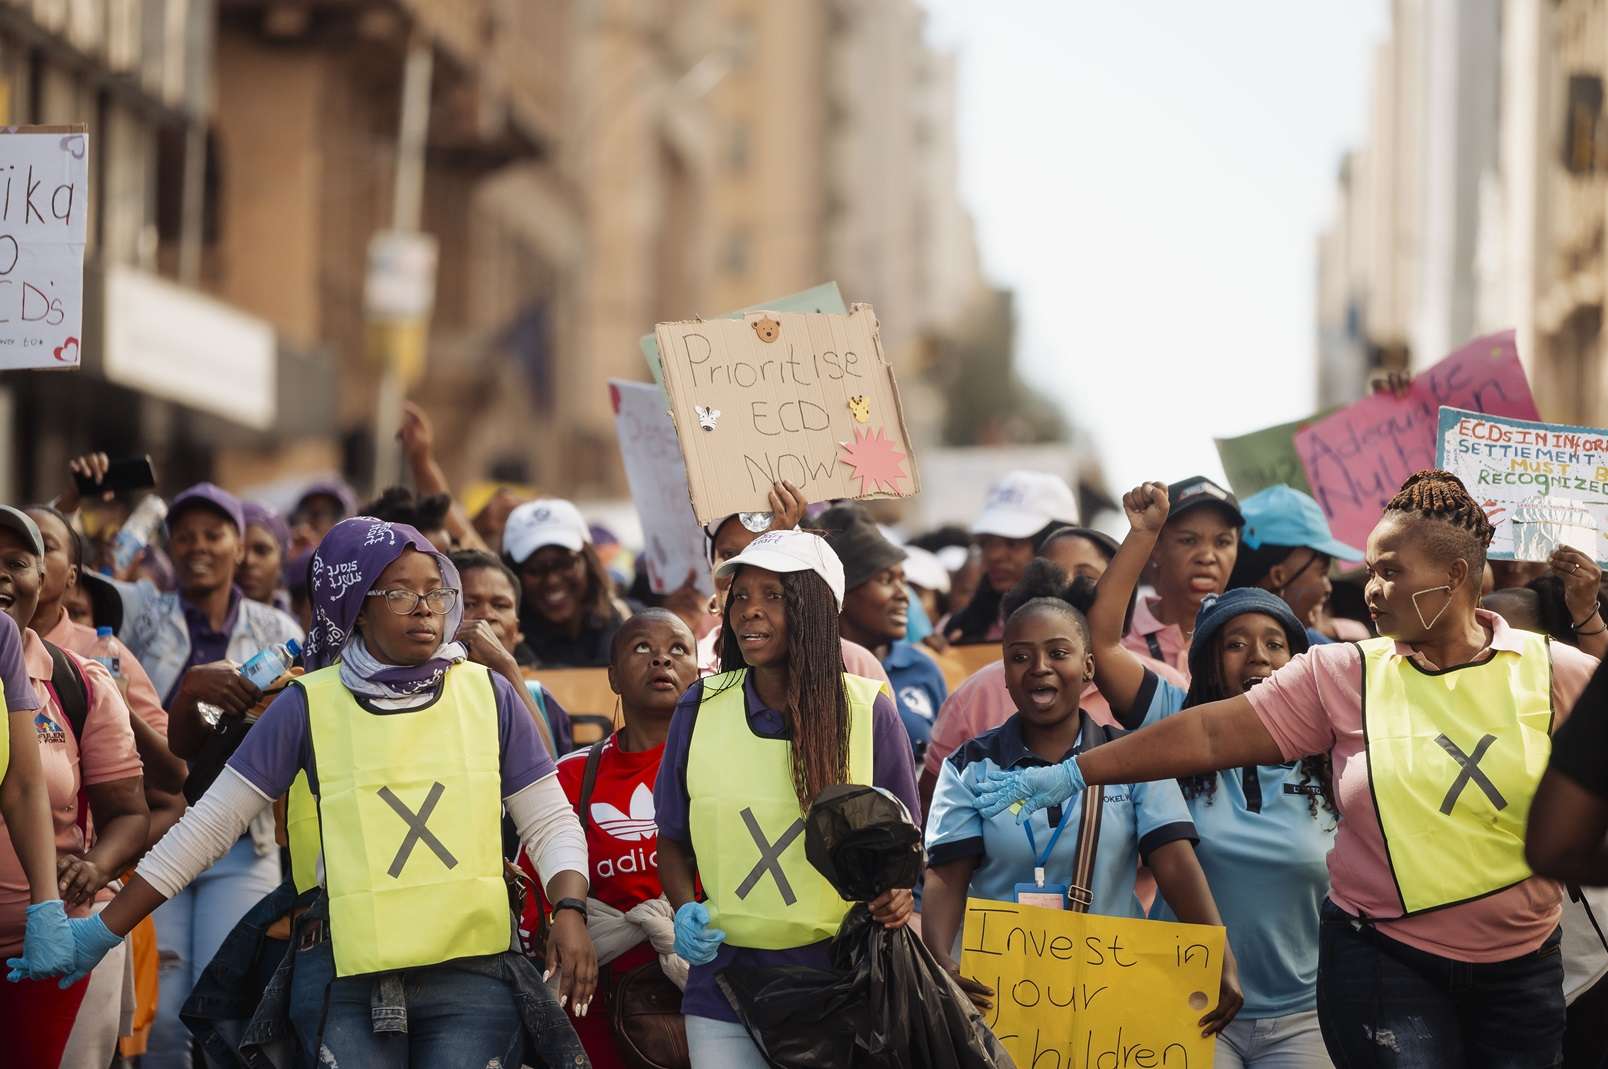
(1582, 125)
(171, 141)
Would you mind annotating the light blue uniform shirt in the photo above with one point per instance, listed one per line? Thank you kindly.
(1138, 818)
(1263, 853)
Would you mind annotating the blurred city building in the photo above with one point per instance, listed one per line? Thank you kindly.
(1476, 201)
(588, 167)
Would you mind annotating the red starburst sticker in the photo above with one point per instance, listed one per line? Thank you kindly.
(876, 463)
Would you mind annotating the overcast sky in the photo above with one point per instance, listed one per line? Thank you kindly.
(1150, 176)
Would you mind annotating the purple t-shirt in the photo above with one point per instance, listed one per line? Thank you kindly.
(891, 769)
(206, 645)
(281, 743)
(13, 674)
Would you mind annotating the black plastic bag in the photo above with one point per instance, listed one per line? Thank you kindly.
(863, 842)
(885, 1003)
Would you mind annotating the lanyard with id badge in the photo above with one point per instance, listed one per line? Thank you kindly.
(1038, 893)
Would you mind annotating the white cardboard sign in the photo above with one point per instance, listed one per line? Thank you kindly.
(672, 540)
(44, 203)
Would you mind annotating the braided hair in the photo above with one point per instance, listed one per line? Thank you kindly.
(1458, 528)
(1208, 686)
(817, 708)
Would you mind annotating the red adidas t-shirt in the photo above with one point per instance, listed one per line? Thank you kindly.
(622, 839)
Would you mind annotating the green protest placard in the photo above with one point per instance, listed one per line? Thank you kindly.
(1265, 458)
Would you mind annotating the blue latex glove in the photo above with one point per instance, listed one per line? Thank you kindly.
(92, 941)
(47, 944)
(695, 940)
(1035, 788)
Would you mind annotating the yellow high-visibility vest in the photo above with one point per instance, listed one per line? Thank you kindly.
(301, 831)
(1454, 758)
(747, 829)
(410, 810)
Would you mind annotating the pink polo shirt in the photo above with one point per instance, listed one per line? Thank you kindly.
(107, 754)
(1314, 705)
(982, 703)
(1146, 634)
(142, 696)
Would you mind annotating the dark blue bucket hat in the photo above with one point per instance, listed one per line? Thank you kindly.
(1216, 612)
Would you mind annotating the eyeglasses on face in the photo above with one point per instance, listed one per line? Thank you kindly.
(404, 602)
(542, 569)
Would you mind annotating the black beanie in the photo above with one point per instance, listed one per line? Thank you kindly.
(854, 537)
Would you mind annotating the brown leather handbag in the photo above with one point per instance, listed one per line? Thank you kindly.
(644, 1003)
(645, 1016)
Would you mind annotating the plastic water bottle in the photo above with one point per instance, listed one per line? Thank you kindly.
(138, 532)
(106, 653)
(270, 664)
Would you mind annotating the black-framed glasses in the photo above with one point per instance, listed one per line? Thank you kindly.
(403, 602)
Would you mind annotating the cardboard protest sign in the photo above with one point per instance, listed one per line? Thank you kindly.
(44, 203)
(825, 298)
(1542, 484)
(1265, 458)
(1082, 991)
(1357, 458)
(672, 540)
(809, 399)
(587, 697)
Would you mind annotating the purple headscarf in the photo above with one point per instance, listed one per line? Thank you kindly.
(346, 565)
(270, 521)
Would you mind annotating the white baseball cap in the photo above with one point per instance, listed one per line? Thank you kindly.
(791, 551)
(1023, 503)
(549, 521)
(925, 570)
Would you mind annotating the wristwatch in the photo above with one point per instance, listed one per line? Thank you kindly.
(577, 904)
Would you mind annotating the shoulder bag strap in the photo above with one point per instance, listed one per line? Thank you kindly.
(71, 690)
(1081, 893)
(594, 757)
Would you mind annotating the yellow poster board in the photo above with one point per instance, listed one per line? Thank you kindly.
(1081, 991)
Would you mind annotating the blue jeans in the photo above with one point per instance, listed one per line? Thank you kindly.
(1293, 1041)
(721, 1045)
(190, 927)
(454, 1018)
(1387, 1005)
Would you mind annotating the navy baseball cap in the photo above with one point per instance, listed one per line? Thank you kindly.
(1197, 491)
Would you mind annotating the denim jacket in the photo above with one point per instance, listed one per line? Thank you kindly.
(154, 631)
(246, 1019)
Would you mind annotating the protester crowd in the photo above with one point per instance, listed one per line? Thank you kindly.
(318, 795)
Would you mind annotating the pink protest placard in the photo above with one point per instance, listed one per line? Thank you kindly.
(1358, 458)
